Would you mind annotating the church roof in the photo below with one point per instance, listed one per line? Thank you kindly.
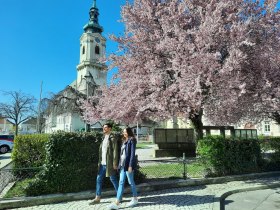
(74, 84)
(93, 25)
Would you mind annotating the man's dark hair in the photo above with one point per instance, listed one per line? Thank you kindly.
(108, 124)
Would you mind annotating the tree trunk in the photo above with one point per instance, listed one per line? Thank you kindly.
(197, 123)
(16, 129)
(175, 122)
(276, 116)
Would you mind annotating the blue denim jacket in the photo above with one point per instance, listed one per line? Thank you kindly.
(130, 161)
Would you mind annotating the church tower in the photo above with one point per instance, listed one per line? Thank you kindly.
(91, 73)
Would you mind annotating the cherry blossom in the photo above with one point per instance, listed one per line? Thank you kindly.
(213, 58)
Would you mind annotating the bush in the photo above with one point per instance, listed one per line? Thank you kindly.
(227, 156)
(275, 143)
(29, 150)
(271, 144)
(139, 176)
(71, 164)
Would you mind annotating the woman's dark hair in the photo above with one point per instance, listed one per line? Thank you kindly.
(130, 133)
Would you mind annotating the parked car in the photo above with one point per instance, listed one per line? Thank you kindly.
(6, 143)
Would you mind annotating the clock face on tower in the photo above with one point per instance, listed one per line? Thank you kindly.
(97, 39)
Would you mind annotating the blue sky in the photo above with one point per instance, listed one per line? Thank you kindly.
(39, 41)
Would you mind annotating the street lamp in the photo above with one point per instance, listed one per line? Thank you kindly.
(38, 127)
(89, 78)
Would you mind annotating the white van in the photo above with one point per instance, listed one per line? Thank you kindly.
(6, 143)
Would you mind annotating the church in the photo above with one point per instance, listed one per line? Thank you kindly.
(64, 112)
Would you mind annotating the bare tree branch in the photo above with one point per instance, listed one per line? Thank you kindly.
(19, 109)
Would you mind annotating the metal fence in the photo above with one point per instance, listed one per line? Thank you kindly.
(174, 168)
(154, 170)
(9, 177)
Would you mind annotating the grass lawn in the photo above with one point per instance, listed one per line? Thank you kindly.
(18, 189)
(143, 145)
(173, 170)
(196, 170)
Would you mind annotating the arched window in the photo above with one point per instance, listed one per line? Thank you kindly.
(97, 50)
(83, 49)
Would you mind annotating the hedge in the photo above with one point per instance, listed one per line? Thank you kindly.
(228, 156)
(71, 164)
(29, 150)
(271, 145)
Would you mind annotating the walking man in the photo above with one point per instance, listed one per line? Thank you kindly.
(108, 161)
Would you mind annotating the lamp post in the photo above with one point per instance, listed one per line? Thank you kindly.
(38, 127)
(137, 133)
(88, 77)
(184, 162)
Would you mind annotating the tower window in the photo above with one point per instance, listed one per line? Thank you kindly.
(97, 50)
(83, 49)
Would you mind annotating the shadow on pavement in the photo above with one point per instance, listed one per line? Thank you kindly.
(264, 180)
(226, 202)
(177, 200)
(160, 198)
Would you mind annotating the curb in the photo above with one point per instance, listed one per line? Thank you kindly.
(144, 187)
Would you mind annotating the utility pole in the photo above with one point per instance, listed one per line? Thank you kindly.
(39, 109)
(88, 77)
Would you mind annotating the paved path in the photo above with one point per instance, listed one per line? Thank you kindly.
(268, 199)
(146, 154)
(203, 197)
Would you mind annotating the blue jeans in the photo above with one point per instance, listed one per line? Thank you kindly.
(130, 178)
(99, 180)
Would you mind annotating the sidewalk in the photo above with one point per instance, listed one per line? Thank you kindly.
(254, 200)
(191, 194)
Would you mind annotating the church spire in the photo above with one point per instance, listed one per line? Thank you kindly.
(93, 25)
(94, 4)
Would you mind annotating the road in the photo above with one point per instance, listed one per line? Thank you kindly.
(5, 159)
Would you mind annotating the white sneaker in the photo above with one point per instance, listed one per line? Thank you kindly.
(132, 203)
(113, 206)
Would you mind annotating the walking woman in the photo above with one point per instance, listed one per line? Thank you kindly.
(126, 167)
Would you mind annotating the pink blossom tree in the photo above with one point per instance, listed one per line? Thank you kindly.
(261, 96)
(192, 58)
